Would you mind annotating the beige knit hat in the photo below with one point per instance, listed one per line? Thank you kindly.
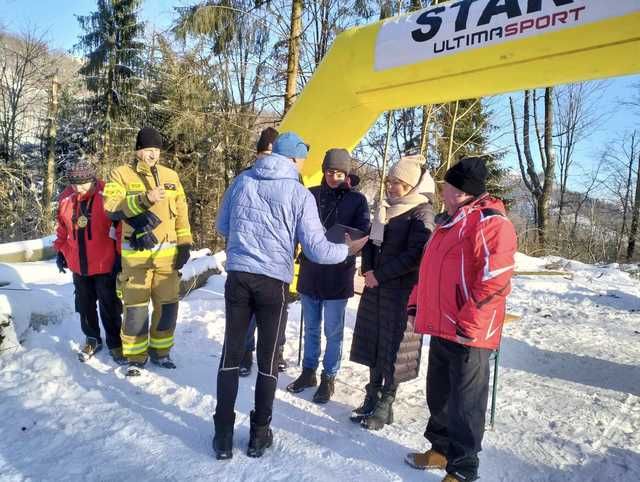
(408, 169)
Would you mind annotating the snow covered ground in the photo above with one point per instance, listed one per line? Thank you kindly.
(568, 403)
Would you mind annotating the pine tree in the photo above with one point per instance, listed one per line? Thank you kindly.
(113, 70)
(462, 129)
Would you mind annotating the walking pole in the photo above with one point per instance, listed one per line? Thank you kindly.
(300, 337)
(492, 420)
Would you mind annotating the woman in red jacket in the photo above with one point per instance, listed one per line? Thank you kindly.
(463, 282)
(86, 244)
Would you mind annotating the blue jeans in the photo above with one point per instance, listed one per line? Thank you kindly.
(334, 310)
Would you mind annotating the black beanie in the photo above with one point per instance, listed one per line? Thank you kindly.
(81, 172)
(267, 138)
(148, 137)
(337, 159)
(469, 175)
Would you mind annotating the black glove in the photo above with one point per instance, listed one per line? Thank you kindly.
(146, 220)
(61, 263)
(184, 253)
(117, 265)
(143, 239)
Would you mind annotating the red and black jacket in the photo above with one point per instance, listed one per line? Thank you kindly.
(465, 275)
(91, 249)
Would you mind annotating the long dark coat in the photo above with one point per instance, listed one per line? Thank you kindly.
(380, 337)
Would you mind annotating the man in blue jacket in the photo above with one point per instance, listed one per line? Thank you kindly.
(325, 289)
(264, 212)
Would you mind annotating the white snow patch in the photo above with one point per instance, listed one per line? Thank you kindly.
(568, 406)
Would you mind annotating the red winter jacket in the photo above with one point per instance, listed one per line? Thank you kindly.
(465, 275)
(90, 250)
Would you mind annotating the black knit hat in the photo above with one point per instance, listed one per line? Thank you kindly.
(267, 138)
(148, 137)
(469, 175)
(338, 159)
(81, 172)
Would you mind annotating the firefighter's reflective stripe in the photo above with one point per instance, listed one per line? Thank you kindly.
(113, 189)
(162, 250)
(132, 203)
(183, 232)
(161, 343)
(134, 348)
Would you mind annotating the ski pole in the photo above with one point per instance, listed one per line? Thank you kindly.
(300, 337)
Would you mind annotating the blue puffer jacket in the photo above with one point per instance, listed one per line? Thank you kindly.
(264, 211)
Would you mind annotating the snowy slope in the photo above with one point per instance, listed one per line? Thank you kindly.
(568, 405)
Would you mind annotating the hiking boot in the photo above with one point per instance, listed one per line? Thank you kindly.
(325, 390)
(368, 405)
(246, 364)
(164, 362)
(260, 437)
(427, 460)
(307, 379)
(90, 348)
(135, 369)
(282, 363)
(117, 356)
(223, 441)
(383, 413)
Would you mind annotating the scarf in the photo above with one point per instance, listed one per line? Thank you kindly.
(391, 207)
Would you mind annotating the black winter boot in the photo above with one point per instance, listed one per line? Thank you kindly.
(260, 437)
(307, 379)
(223, 441)
(282, 363)
(325, 390)
(246, 364)
(368, 405)
(383, 413)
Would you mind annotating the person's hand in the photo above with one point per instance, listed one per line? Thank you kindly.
(370, 280)
(61, 262)
(411, 323)
(355, 246)
(117, 265)
(463, 340)
(156, 194)
(184, 252)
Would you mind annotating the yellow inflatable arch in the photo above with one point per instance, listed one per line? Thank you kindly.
(458, 50)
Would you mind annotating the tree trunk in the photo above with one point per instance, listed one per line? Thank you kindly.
(625, 204)
(549, 171)
(294, 53)
(47, 197)
(633, 232)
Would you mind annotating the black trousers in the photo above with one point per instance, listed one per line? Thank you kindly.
(100, 288)
(249, 294)
(457, 394)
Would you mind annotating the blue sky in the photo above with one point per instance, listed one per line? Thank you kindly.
(57, 19)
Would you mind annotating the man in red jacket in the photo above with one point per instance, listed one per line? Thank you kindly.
(86, 244)
(464, 279)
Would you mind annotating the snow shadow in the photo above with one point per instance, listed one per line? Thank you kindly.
(585, 370)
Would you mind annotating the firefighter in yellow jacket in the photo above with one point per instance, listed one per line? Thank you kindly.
(156, 240)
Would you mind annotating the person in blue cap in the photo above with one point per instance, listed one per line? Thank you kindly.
(264, 213)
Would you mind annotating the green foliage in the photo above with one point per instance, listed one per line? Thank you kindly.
(114, 69)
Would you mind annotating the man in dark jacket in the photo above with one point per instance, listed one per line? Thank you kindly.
(327, 288)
